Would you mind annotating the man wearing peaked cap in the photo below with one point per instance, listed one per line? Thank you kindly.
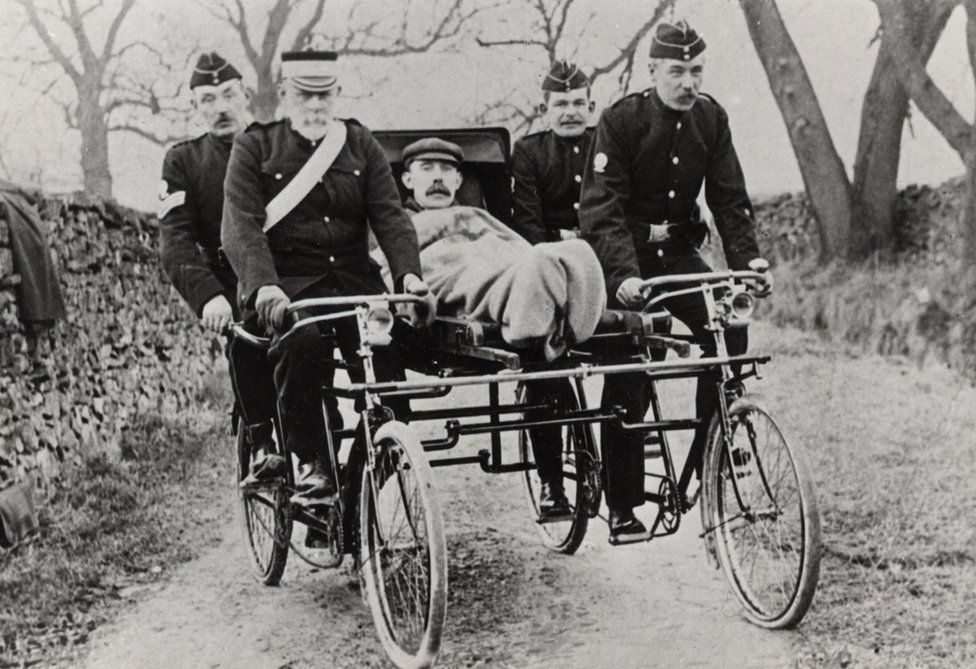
(191, 201)
(652, 153)
(547, 171)
(290, 242)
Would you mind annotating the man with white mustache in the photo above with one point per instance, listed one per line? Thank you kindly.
(301, 195)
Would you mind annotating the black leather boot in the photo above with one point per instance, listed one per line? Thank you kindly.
(625, 528)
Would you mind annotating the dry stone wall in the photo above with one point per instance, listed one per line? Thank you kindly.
(127, 346)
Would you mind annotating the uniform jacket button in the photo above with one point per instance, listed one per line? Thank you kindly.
(575, 149)
(578, 178)
(674, 160)
(278, 175)
(326, 219)
(678, 126)
(671, 194)
(356, 172)
(660, 253)
(576, 206)
(331, 258)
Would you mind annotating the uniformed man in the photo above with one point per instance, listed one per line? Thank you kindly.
(651, 155)
(299, 192)
(190, 208)
(548, 166)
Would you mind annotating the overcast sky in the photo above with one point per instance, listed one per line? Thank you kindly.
(443, 90)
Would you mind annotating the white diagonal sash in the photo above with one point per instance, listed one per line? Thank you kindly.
(303, 182)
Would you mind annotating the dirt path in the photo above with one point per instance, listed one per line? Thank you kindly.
(513, 604)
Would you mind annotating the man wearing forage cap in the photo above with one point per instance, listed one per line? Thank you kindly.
(547, 171)
(191, 201)
(299, 192)
(652, 153)
(547, 166)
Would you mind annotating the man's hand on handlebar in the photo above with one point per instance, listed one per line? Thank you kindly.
(761, 287)
(629, 293)
(418, 314)
(217, 314)
(414, 285)
(271, 304)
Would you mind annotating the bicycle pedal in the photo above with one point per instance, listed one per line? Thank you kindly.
(305, 502)
(252, 483)
(623, 540)
(545, 519)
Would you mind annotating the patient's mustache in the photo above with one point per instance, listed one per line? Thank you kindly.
(438, 189)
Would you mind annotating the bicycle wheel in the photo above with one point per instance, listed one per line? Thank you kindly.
(265, 519)
(403, 553)
(760, 516)
(580, 478)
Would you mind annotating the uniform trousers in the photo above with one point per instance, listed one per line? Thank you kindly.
(547, 441)
(623, 450)
(303, 366)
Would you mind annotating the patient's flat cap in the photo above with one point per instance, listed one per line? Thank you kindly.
(676, 41)
(432, 148)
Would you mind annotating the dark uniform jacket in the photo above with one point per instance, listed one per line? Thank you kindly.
(647, 165)
(548, 173)
(324, 238)
(189, 224)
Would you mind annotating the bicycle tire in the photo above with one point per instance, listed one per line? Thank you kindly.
(761, 505)
(565, 536)
(264, 518)
(410, 555)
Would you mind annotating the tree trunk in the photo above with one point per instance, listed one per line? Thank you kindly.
(264, 103)
(967, 224)
(823, 171)
(875, 186)
(94, 147)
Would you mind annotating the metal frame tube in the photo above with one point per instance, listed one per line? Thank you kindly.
(583, 371)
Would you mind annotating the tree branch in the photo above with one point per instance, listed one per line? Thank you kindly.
(627, 53)
(113, 31)
(928, 97)
(42, 31)
(306, 30)
(145, 134)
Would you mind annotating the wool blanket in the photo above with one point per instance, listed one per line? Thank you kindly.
(549, 295)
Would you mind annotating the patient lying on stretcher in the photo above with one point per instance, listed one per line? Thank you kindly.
(549, 295)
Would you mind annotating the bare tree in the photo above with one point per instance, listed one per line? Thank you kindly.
(101, 85)
(856, 218)
(883, 116)
(896, 21)
(550, 32)
(820, 165)
(392, 34)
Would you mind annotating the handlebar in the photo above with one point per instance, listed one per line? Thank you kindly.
(350, 300)
(649, 284)
(237, 329)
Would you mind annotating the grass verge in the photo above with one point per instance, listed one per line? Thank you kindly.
(893, 451)
(112, 528)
